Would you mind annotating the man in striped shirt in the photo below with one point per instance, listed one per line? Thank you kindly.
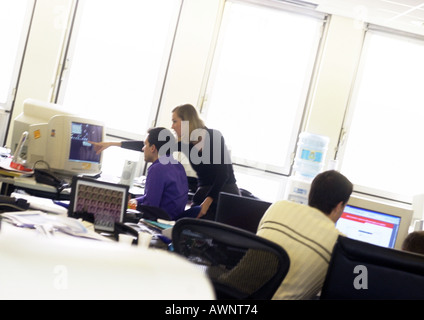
(307, 233)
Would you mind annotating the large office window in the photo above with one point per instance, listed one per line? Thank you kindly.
(15, 17)
(116, 66)
(117, 61)
(385, 124)
(259, 80)
(13, 29)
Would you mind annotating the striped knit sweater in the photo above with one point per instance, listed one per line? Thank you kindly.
(308, 236)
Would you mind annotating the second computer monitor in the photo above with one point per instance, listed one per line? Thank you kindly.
(375, 221)
(240, 212)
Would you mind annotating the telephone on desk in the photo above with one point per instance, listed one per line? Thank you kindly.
(47, 177)
(8, 204)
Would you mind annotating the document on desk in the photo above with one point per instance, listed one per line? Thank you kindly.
(7, 170)
(42, 204)
(49, 223)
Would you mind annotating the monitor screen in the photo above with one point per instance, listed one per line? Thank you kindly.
(369, 226)
(376, 220)
(105, 202)
(80, 149)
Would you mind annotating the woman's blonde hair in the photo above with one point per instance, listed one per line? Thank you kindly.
(188, 113)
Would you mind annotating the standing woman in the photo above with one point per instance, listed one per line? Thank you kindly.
(208, 155)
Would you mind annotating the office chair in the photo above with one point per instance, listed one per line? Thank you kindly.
(359, 270)
(242, 212)
(247, 194)
(240, 264)
(154, 213)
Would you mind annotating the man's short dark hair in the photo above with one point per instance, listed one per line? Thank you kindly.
(328, 189)
(159, 137)
(414, 242)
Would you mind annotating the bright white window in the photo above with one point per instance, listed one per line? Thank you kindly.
(13, 29)
(259, 81)
(383, 150)
(117, 61)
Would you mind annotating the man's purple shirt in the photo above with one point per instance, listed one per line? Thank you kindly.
(166, 186)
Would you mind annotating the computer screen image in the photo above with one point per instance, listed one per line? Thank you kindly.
(369, 226)
(374, 222)
(105, 202)
(80, 149)
(241, 212)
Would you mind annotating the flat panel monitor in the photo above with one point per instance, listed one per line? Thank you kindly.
(103, 202)
(375, 222)
(241, 212)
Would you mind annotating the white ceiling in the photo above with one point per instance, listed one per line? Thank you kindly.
(406, 15)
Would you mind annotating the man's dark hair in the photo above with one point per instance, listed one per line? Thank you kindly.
(328, 189)
(414, 242)
(159, 137)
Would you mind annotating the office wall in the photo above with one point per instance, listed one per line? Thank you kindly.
(190, 55)
(337, 69)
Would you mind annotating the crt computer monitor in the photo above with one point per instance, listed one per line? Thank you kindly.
(375, 221)
(33, 112)
(63, 144)
(58, 137)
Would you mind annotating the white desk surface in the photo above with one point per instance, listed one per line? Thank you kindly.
(36, 266)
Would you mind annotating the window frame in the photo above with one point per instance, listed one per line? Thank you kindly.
(6, 107)
(66, 66)
(350, 113)
(303, 9)
(20, 53)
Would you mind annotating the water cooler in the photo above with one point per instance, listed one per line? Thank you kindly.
(309, 161)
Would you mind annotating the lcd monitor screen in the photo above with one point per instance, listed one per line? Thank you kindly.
(80, 149)
(369, 226)
(105, 202)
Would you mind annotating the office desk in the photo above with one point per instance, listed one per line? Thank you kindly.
(40, 197)
(31, 186)
(60, 267)
(6, 184)
(28, 184)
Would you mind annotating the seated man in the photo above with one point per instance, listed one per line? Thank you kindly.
(166, 184)
(307, 233)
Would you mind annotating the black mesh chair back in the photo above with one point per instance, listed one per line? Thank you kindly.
(363, 271)
(240, 264)
(240, 211)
